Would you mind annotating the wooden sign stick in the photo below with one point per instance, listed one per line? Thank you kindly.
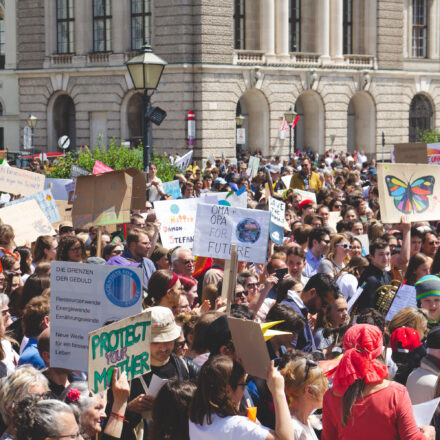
(229, 279)
(99, 242)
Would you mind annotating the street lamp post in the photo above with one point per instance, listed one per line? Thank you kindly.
(290, 117)
(145, 71)
(32, 123)
(239, 121)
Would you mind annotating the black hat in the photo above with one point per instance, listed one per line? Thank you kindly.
(433, 340)
(218, 334)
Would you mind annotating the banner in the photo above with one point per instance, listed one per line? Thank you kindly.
(185, 161)
(227, 198)
(408, 189)
(101, 168)
(28, 221)
(172, 188)
(17, 181)
(434, 153)
(45, 201)
(84, 298)
(218, 227)
(124, 344)
(178, 220)
(277, 210)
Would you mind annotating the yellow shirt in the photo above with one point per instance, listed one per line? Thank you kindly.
(297, 182)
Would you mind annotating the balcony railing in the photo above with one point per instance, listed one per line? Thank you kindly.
(249, 57)
(360, 61)
(98, 57)
(61, 59)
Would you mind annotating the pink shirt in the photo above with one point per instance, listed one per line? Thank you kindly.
(386, 414)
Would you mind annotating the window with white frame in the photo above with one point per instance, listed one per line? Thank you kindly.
(295, 25)
(140, 23)
(239, 24)
(65, 27)
(419, 28)
(102, 25)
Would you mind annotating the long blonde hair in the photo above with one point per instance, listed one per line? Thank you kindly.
(337, 238)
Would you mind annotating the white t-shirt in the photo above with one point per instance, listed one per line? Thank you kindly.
(347, 284)
(228, 428)
(303, 432)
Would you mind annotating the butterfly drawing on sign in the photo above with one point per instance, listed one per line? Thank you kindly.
(410, 197)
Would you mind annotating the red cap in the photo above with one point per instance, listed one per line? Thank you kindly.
(304, 203)
(404, 340)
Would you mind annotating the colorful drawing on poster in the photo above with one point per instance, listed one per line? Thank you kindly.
(410, 197)
(248, 231)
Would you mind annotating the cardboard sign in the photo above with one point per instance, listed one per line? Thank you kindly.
(277, 210)
(404, 297)
(218, 227)
(172, 188)
(185, 161)
(45, 201)
(124, 344)
(65, 211)
(178, 220)
(408, 189)
(104, 199)
(139, 194)
(84, 298)
(58, 187)
(17, 181)
(228, 198)
(414, 152)
(250, 346)
(77, 171)
(101, 168)
(434, 153)
(28, 221)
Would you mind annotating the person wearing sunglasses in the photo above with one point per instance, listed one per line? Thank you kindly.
(71, 248)
(111, 250)
(319, 240)
(338, 256)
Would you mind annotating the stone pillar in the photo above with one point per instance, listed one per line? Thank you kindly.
(322, 28)
(282, 28)
(121, 27)
(10, 34)
(336, 30)
(433, 26)
(83, 14)
(370, 29)
(267, 26)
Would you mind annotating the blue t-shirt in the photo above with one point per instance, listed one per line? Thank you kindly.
(30, 355)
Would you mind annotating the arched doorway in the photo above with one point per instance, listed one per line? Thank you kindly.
(255, 108)
(64, 119)
(421, 116)
(361, 124)
(309, 131)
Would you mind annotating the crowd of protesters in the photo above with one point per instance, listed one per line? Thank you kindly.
(335, 373)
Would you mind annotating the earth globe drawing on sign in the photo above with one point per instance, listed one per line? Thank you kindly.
(248, 231)
(174, 209)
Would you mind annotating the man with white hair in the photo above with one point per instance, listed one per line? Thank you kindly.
(183, 262)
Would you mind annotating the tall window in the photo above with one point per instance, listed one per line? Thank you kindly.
(65, 27)
(239, 24)
(140, 23)
(420, 28)
(2, 41)
(295, 25)
(348, 26)
(102, 24)
(420, 116)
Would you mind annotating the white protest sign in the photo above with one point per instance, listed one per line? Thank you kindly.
(355, 297)
(28, 220)
(172, 188)
(277, 210)
(404, 297)
(333, 218)
(286, 180)
(124, 344)
(424, 412)
(305, 195)
(45, 201)
(252, 168)
(228, 199)
(178, 220)
(365, 242)
(218, 227)
(185, 161)
(58, 187)
(17, 181)
(84, 298)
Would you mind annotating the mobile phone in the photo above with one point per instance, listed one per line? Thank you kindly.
(281, 273)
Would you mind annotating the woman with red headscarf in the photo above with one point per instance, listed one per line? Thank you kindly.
(362, 404)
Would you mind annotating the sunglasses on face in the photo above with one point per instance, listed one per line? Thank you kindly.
(76, 249)
(436, 243)
(345, 246)
(252, 285)
(117, 252)
(325, 241)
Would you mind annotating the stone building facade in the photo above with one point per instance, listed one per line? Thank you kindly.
(352, 70)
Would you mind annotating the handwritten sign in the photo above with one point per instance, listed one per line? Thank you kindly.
(58, 187)
(172, 188)
(101, 168)
(28, 221)
(17, 181)
(277, 210)
(45, 201)
(218, 227)
(124, 344)
(84, 298)
(77, 171)
(184, 162)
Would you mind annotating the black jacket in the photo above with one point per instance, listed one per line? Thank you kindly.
(374, 278)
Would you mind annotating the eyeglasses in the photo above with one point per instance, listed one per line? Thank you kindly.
(75, 249)
(436, 243)
(252, 285)
(337, 206)
(72, 436)
(186, 262)
(345, 246)
(326, 241)
(117, 252)
(309, 364)
(180, 344)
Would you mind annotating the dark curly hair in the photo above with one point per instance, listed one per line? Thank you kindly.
(67, 242)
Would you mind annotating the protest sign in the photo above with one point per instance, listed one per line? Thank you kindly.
(250, 346)
(305, 195)
(77, 171)
(103, 199)
(409, 189)
(404, 297)
(413, 152)
(178, 220)
(17, 181)
(252, 168)
(424, 412)
(172, 188)
(124, 344)
(365, 242)
(277, 209)
(101, 168)
(65, 211)
(228, 198)
(58, 187)
(333, 218)
(434, 153)
(185, 161)
(84, 298)
(28, 220)
(139, 184)
(45, 201)
(218, 227)
(286, 180)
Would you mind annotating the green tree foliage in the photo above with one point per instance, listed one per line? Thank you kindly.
(428, 136)
(114, 156)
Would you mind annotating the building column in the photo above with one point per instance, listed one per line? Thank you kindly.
(267, 26)
(121, 27)
(10, 35)
(322, 29)
(336, 30)
(282, 27)
(83, 27)
(370, 29)
(433, 32)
